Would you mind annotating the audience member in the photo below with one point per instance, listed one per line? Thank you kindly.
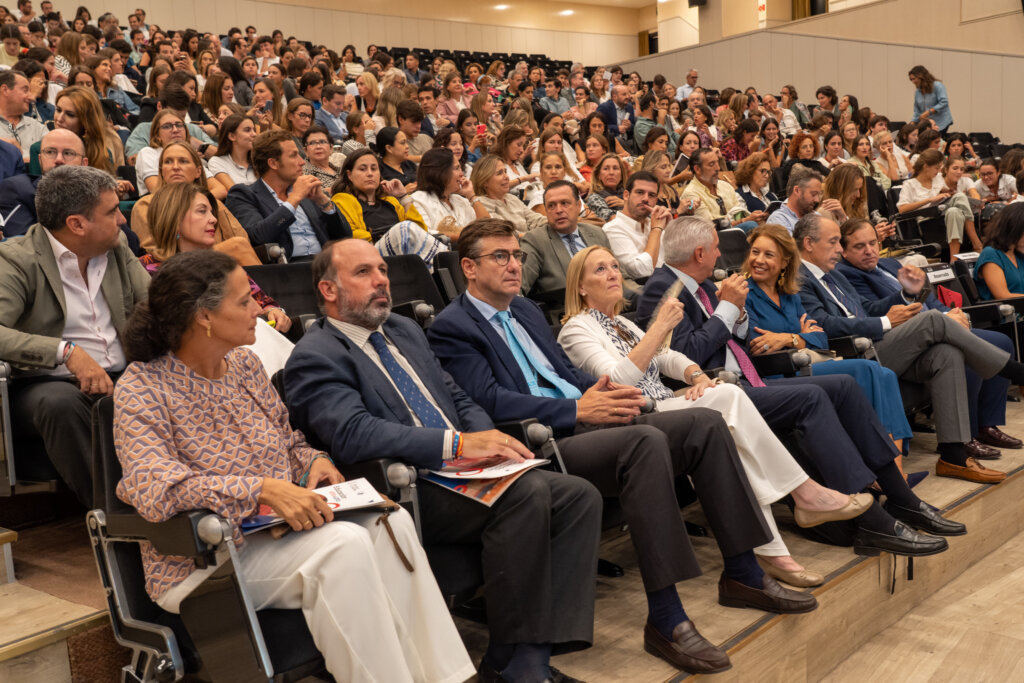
(67, 343)
(927, 189)
(284, 206)
(318, 144)
(998, 271)
(714, 198)
(442, 191)
(18, 192)
(491, 184)
(634, 233)
(803, 196)
(233, 165)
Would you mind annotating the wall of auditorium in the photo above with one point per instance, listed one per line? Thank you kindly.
(592, 34)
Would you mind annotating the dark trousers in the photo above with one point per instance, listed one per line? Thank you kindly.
(638, 464)
(539, 554)
(988, 396)
(841, 431)
(55, 410)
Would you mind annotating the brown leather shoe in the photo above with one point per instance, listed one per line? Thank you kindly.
(979, 451)
(771, 597)
(688, 650)
(992, 436)
(974, 471)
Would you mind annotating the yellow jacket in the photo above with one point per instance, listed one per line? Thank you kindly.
(350, 208)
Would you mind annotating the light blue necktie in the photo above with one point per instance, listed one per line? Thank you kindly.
(423, 408)
(532, 367)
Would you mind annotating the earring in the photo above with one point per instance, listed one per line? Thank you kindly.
(208, 330)
(178, 236)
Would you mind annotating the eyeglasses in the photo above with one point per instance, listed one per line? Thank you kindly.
(765, 171)
(52, 152)
(316, 143)
(304, 116)
(502, 257)
(177, 125)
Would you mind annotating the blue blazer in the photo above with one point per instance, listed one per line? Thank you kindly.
(820, 306)
(611, 118)
(17, 204)
(345, 405)
(703, 340)
(482, 363)
(267, 221)
(875, 285)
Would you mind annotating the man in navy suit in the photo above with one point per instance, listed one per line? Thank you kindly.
(924, 347)
(841, 432)
(876, 278)
(363, 384)
(618, 114)
(500, 349)
(285, 206)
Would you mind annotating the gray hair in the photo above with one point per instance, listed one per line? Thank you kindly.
(682, 237)
(801, 176)
(70, 191)
(808, 226)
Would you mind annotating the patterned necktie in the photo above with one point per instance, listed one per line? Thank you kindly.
(849, 304)
(532, 367)
(425, 411)
(742, 359)
(570, 241)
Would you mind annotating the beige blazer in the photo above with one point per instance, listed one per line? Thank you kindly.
(32, 306)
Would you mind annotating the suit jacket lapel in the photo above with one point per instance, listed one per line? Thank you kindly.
(558, 246)
(499, 344)
(48, 263)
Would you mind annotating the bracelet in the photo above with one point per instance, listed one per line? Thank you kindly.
(304, 479)
(457, 445)
(695, 375)
(69, 347)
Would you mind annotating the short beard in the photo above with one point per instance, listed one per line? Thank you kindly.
(367, 316)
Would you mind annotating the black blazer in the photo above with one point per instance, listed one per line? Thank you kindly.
(267, 221)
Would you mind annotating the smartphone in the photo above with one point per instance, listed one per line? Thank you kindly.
(267, 106)
(925, 292)
(773, 207)
(481, 129)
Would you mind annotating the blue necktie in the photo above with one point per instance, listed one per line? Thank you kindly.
(424, 410)
(570, 241)
(532, 367)
(852, 306)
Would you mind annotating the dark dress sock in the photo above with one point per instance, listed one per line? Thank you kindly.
(953, 453)
(665, 610)
(877, 519)
(895, 487)
(744, 568)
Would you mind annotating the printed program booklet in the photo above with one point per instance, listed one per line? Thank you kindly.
(357, 494)
(481, 479)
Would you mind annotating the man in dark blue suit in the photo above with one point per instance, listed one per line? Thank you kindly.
(923, 347)
(363, 384)
(284, 206)
(618, 114)
(841, 432)
(499, 348)
(876, 278)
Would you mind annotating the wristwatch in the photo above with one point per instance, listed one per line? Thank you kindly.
(795, 340)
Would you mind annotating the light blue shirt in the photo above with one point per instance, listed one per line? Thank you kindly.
(304, 239)
(335, 125)
(937, 100)
(580, 244)
(525, 340)
(785, 217)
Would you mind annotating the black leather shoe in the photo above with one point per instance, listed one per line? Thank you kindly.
(993, 436)
(559, 677)
(688, 650)
(771, 597)
(976, 449)
(609, 569)
(905, 541)
(487, 674)
(925, 518)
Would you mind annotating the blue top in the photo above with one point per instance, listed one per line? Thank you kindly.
(936, 100)
(782, 318)
(1014, 273)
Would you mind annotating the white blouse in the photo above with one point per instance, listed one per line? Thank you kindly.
(913, 191)
(1007, 187)
(433, 209)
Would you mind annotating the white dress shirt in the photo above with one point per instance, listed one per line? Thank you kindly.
(628, 239)
(88, 322)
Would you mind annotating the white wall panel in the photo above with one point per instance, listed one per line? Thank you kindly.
(442, 35)
(987, 85)
(459, 36)
(956, 75)
(1012, 99)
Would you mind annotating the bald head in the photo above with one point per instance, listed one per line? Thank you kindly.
(61, 147)
(620, 94)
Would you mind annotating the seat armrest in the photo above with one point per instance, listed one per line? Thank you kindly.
(844, 346)
(179, 535)
(387, 475)
(270, 253)
(785, 363)
(529, 432)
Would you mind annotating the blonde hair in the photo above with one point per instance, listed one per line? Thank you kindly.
(387, 105)
(595, 181)
(371, 83)
(483, 171)
(154, 127)
(840, 183)
(574, 303)
(789, 277)
(168, 208)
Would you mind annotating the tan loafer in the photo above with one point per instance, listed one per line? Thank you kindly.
(856, 506)
(801, 579)
(974, 471)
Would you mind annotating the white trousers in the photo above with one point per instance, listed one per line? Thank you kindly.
(372, 619)
(770, 468)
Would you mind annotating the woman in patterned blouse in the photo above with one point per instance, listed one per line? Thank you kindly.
(198, 425)
(601, 342)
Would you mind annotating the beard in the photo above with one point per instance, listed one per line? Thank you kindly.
(368, 314)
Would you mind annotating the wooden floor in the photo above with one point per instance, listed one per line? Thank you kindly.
(971, 630)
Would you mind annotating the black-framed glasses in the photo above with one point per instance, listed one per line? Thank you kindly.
(501, 257)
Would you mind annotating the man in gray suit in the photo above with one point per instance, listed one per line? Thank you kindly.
(67, 288)
(549, 249)
(924, 347)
